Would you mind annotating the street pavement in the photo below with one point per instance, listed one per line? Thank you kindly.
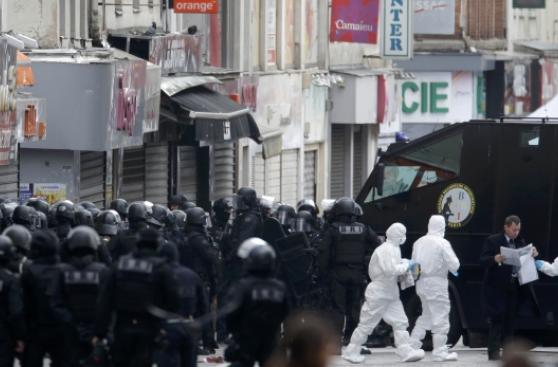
(468, 357)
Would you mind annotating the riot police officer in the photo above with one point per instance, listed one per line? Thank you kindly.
(121, 207)
(181, 349)
(286, 215)
(204, 261)
(311, 207)
(45, 318)
(179, 201)
(90, 207)
(222, 209)
(65, 217)
(136, 282)
(21, 239)
(7, 208)
(260, 306)
(83, 217)
(345, 248)
(26, 216)
(81, 281)
(305, 223)
(124, 242)
(12, 325)
(39, 205)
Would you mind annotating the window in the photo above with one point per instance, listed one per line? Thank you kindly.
(136, 6)
(428, 164)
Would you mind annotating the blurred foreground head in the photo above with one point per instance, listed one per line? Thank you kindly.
(517, 354)
(309, 342)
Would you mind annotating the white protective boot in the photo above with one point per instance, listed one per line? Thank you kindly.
(415, 344)
(352, 354)
(404, 349)
(441, 352)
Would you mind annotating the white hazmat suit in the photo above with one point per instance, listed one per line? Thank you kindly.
(436, 258)
(547, 268)
(382, 299)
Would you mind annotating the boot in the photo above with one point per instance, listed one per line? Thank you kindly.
(404, 349)
(441, 352)
(415, 343)
(352, 354)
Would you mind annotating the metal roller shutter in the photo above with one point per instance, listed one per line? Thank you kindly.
(92, 177)
(258, 175)
(357, 162)
(310, 174)
(133, 175)
(157, 173)
(188, 174)
(272, 184)
(9, 187)
(223, 170)
(289, 176)
(337, 161)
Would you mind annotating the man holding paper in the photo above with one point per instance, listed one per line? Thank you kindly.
(501, 287)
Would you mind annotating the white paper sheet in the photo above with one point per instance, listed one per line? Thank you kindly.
(512, 256)
(528, 271)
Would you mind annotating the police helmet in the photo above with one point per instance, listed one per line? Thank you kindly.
(65, 212)
(246, 199)
(309, 206)
(260, 261)
(7, 208)
(7, 249)
(149, 239)
(161, 216)
(43, 220)
(107, 223)
(179, 218)
(88, 205)
(21, 238)
(83, 217)
(304, 221)
(44, 244)
(26, 216)
(39, 205)
(247, 246)
(344, 207)
(222, 209)
(286, 214)
(196, 217)
(358, 211)
(83, 239)
(121, 207)
(179, 201)
(137, 212)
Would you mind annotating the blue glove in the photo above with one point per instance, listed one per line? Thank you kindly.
(411, 264)
(539, 264)
(456, 274)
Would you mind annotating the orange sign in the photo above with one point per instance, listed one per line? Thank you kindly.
(196, 6)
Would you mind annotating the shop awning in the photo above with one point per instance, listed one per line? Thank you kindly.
(215, 117)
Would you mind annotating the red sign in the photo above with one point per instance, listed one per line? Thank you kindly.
(196, 6)
(354, 21)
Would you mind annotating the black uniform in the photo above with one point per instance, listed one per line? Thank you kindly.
(204, 257)
(502, 293)
(181, 349)
(246, 225)
(255, 324)
(345, 248)
(135, 282)
(124, 243)
(81, 282)
(48, 322)
(12, 326)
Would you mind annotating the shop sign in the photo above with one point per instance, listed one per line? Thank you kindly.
(354, 21)
(397, 35)
(31, 117)
(152, 99)
(196, 6)
(529, 4)
(130, 86)
(8, 104)
(50, 192)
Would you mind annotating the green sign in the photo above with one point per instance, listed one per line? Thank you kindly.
(529, 4)
(431, 96)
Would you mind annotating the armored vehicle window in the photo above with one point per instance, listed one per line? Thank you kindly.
(428, 164)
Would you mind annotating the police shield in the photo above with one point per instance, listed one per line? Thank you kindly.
(272, 231)
(296, 262)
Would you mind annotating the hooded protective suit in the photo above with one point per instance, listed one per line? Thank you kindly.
(547, 268)
(382, 299)
(437, 258)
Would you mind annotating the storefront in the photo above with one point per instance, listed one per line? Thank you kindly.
(441, 89)
(98, 105)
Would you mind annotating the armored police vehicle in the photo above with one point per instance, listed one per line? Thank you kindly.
(474, 174)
